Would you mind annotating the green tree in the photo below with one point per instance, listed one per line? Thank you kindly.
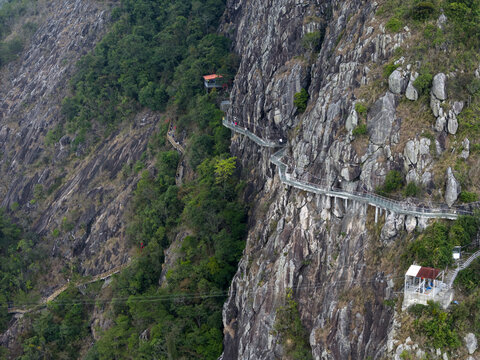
(224, 169)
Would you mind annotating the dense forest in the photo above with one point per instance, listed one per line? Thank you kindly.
(154, 56)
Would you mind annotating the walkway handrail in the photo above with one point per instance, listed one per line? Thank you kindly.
(463, 267)
(370, 198)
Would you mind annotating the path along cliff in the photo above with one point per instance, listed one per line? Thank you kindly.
(318, 247)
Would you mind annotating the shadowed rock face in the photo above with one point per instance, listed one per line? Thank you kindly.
(87, 190)
(318, 246)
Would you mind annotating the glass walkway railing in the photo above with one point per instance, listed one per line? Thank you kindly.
(395, 206)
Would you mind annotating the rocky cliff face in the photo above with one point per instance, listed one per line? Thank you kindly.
(77, 195)
(318, 246)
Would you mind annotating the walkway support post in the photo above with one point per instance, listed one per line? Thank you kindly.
(376, 214)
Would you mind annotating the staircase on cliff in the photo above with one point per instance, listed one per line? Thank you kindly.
(452, 274)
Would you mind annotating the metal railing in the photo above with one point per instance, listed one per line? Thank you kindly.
(462, 267)
(395, 206)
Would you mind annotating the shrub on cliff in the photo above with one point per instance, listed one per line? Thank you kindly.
(423, 82)
(423, 10)
(313, 41)
(393, 181)
(288, 327)
(300, 100)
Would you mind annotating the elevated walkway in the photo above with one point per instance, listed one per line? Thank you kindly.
(397, 207)
(452, 275)
(56, 293)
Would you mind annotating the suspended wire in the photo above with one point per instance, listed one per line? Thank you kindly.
(189, 296)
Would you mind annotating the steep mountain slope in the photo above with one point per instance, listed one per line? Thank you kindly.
(340, 265)
(82, 190)
(320, 276)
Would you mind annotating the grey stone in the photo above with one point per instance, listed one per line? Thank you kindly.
(411, 93)
(389, 230)
(441, 21)
(466, 149)
(422, 223)
(411, 152)
(412, 176)
(352, 120)
(410, 223)
(471, 343)
(457, 107)
(452, 124)
(445, 356)
(420, 354)
(440, 123)
(438, 147)
(435, 105)
(427, 179)
(396, 82)
(381, 118)
(452, 188)
(439, 86)
(400, 223)
(424, 148)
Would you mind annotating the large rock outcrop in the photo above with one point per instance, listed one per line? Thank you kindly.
(315, 245)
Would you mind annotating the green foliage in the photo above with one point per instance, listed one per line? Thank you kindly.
(468, 121)
(412, 190)
(434, 246)
(443, 328)
(224, 169)
(394, 25)
(467, 197)
(393, 182)
(155, 53)
(313, 41)
(9, 50)
(300, 100)
(181, 325)
(10, 13)
(18, 266)
(360, 130)
(388, 69)
(60, 331)
(38, 192)
(361, 109)
(288, 327)
(54, 135)
(423, 82)
(437, 325)
(423, 10)
(465, 16)
(466, 315)
(469, 278)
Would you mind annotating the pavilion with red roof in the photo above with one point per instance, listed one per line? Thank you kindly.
(212, 81)
(423, 284)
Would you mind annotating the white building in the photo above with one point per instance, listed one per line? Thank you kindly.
(423, 284)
